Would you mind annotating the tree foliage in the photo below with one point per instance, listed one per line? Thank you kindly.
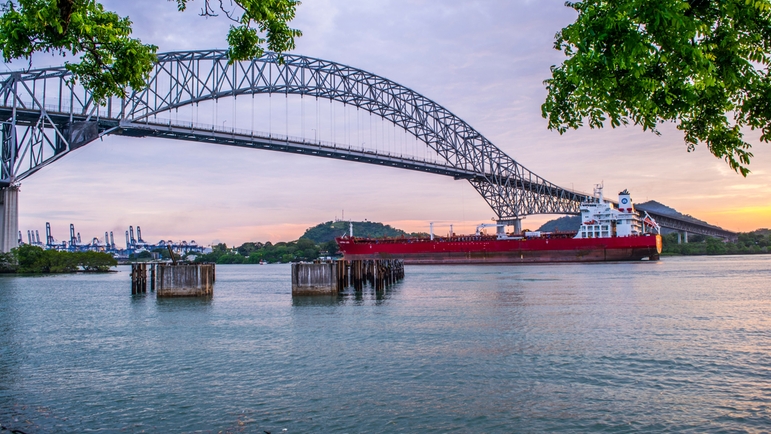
(758, 241)
(109, 61)
(698, 63)
(255, 252)
(257, 17)
(324, 232)
(33, 259)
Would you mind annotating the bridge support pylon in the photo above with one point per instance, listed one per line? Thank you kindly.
(515, 223)
(9, 218)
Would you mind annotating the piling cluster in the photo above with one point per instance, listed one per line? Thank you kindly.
(331, 277)
(173, 280)
(139, 279)
(379, 273)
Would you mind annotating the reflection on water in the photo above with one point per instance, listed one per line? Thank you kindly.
(317, 300)
(185, 304)
(678, 345)
(348, 296)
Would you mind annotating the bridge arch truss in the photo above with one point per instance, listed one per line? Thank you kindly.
(45, 115)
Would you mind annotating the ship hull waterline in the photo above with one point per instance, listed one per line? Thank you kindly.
(492, 251)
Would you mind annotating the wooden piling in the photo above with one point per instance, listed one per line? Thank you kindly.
(152, 277)
(138, 278)
(333, 277)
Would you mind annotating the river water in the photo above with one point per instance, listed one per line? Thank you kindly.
(683, 344)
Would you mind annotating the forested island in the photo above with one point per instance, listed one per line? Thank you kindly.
(33, 259)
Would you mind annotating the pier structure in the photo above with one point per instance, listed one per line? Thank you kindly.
(332, 277)
(173, 280)
(9, 218)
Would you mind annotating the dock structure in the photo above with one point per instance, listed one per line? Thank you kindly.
(332, 277)
(173, 280)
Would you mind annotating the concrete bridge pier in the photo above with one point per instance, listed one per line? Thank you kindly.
(684, 235)
(9, 218)
(515, 223)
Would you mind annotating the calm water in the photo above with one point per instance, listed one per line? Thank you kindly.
(679, 345)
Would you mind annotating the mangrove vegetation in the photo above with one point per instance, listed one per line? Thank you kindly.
(33, 259)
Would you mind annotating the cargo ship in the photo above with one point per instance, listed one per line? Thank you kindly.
(607, 233)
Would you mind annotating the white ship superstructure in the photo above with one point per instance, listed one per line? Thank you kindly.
(600, 219)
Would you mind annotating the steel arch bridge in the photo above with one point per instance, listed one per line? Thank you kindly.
(45, 115)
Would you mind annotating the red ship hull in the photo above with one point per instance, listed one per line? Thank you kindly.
(490, 250)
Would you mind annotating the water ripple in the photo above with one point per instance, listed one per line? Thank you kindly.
(676, 346)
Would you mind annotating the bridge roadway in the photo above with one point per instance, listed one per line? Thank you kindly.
(188, 131)
(685, 225)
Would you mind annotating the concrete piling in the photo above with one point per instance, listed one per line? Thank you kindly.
(314, 279)
(9, 218)
(185, 280)
(181, 280)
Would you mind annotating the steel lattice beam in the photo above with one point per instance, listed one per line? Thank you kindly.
(45, 115)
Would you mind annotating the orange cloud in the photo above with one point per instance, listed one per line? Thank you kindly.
(740, 219)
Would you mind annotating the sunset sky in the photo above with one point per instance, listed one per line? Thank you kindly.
(485, 61)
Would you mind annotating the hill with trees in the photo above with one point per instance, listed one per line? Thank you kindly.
(325, 232)
(564, 224)
(316, 242)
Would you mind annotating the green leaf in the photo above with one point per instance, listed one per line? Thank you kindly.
(649, 62)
